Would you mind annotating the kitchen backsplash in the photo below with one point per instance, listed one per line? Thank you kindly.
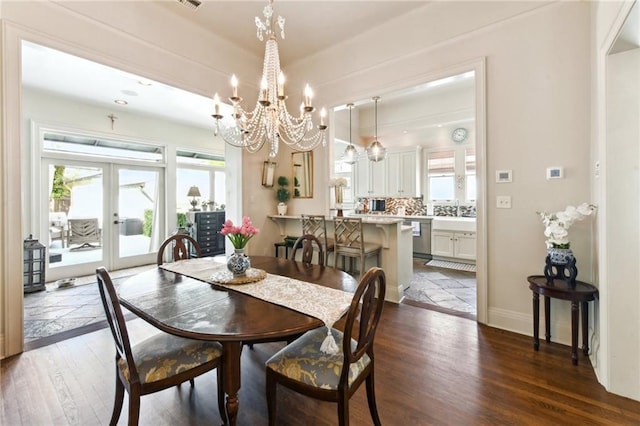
(413, 206)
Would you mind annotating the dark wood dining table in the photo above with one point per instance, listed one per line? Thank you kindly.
(192, 308)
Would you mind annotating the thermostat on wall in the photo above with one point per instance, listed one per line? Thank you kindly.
(555, 173)
(503, 176)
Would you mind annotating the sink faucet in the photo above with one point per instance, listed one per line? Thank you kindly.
(457, 204)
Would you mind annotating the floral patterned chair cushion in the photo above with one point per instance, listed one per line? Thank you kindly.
(303, 361)
(164, 355)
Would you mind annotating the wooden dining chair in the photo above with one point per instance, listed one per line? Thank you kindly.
(179, 248)
(306, 242)
(317, 225)
(156, 363)
(349, 242)
(302, 367)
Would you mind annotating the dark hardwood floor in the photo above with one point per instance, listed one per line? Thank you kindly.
(431, 369)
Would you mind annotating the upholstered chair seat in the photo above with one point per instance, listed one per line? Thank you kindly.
(303, 361)
(164, 355)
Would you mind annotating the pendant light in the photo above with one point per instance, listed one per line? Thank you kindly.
(350, 153)
(376, 151)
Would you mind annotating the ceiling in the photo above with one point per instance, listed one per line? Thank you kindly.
(310, 27)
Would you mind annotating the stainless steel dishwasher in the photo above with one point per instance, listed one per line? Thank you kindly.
(421, 237)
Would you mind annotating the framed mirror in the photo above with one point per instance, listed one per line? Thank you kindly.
(302, 174)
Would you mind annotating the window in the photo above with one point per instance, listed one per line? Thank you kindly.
(83, 145)
(470, 174)
(441, 175)
(204, 171)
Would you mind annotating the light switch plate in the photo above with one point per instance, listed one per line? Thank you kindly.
(503, 201)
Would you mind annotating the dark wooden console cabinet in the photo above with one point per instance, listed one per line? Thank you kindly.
(206, 231)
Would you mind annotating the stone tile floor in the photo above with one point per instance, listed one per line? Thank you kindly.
(448, 290)
(58, 310)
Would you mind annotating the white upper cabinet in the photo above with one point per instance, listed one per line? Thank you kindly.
(401, 174)
(370, 178)
(395, 176)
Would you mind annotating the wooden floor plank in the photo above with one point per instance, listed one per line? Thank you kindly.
(431, 369)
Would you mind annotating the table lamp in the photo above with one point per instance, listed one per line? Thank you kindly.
(193, 192)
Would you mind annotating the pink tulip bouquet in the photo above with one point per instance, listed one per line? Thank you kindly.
(239, 235)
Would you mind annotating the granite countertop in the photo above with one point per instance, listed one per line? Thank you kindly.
(374, 219)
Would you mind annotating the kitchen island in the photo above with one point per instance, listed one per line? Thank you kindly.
(391, 233)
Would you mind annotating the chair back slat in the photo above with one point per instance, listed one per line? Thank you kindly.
(116, 321)
(348, 232)
(307, 241)
(179, 249)
(363, 317)
(315, 225)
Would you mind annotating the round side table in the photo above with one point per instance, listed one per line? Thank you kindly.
(577, 293)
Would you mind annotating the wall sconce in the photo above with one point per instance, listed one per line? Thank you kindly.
(268, 172)
(193, 192)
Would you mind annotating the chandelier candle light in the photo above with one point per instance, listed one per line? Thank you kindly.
(239, 236)
(560, 262)
(270, 121)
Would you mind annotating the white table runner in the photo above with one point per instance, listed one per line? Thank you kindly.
(326, 304)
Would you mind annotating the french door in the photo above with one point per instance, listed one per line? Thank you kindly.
(100, 214)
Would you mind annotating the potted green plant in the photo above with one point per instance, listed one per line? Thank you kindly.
(283, 195)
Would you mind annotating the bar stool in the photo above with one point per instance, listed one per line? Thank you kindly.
(316, 225)
(349, 242)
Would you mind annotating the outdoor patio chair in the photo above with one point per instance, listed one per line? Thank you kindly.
(85, 232)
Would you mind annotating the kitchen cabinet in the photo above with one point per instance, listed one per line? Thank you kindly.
(401, 174)
(205, 230)
(453, 244)
(370, 178)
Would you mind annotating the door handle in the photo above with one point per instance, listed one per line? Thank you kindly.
(117, 222)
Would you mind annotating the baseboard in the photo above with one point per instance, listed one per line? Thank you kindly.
(518, 322)
(2, 346)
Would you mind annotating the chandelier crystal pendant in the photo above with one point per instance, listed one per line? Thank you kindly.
(270, 121)
(350, 153)
(376, 151)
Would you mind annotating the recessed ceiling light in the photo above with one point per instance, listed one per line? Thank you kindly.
(121, 102)
(405, 131)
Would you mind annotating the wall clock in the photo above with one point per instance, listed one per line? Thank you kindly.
(459, 134)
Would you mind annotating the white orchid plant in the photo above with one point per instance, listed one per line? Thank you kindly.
(557, 224)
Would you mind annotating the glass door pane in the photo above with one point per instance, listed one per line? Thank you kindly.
(136, 216)
(74, 219)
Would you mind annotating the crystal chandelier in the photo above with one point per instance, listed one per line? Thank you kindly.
(350, 153)
(376, 151)
(270, 121)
